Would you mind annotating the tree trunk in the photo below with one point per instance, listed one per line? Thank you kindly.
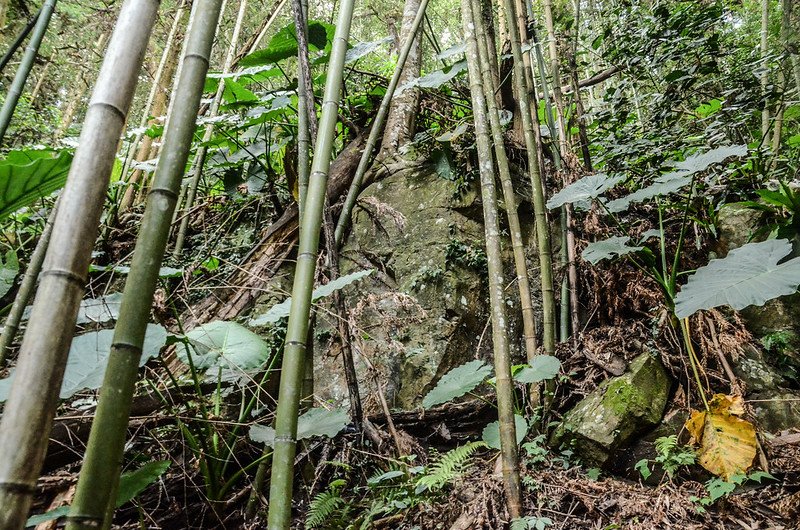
(33, 398)
(402, 113)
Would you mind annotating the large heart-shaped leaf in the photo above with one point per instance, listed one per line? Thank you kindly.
(588, 187)
(541, 368)
(227, 345)
(676, 180)
(314, 422)
(281, 310)
(434, 79)
(457, 382)
(88, 357)
(607, 249)
(727, 444)
(748, 275)
(9, 268)
(28, 175)
(491, 433)
(284, 44)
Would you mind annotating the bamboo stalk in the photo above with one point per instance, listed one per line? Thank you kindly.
(280, 505)
(306, 110)
(502, 358)
(26, 288)
(29, 411)
(509, 197)
(377, 126)
(18, 84)
(100, 472)
(19, 40)
(202, 151)
(764, 49)
(133, 149)
(540, 212)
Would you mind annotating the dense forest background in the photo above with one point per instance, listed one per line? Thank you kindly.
(447, 264)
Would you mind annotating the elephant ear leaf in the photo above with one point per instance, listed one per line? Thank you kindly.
(749, 275)
(457, 382)
(28, 175)
(589, 187)
(616, 246)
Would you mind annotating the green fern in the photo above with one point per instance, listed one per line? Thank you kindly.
(447, 467)
(325, 506)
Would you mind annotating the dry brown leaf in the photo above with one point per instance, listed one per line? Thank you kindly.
(727, 443)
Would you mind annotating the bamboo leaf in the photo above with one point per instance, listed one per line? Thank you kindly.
(28, 175)
(457, 382)
(281, 310)
(589, 187)
(749, 275)
(491, 433)
(727, 444)
(616, 246)
(88, 357)
(314, 422)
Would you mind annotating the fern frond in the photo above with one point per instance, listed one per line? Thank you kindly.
(324, 506)
(449, 466)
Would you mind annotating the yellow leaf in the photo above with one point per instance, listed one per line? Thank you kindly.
(727, 443)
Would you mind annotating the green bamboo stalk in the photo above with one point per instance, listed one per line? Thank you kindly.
(100, 472)
(202, 151)
(306, 112)
(18, 85)
(280, 496)
(26, 422)
(19, 40)
(377, 127)
(502, 357)
(26, 288)
(151, 96)
(509, 197)
(540, 211)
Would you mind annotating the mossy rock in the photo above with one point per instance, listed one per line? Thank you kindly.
(618, 409)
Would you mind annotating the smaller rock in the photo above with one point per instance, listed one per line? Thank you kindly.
(618, 409)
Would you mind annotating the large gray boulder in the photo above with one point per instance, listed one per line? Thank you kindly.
(425, 309)
(618, 409)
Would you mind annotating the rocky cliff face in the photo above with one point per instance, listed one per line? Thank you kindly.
(424, 310)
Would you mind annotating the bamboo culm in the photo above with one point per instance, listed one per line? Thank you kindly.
(377, 127)
(502, 358)
(28, 415)
(18, 84)
(517, 244)
(280, 498)
(100, 472)
(19, 40)
(26, 288)
(151, 96)
(540, 211)
(202, 151)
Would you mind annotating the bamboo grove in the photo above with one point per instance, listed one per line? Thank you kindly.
(523, 79)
